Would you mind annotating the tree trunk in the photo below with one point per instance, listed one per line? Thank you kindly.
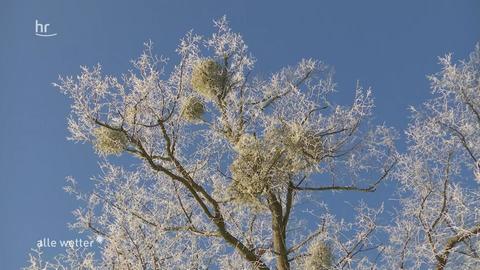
(279, 235)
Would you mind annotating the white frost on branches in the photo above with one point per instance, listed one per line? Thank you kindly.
(438, 222)
(225, 159)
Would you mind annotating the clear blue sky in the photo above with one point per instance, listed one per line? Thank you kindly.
(389, 45)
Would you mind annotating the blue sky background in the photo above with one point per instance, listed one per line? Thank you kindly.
(388, 45)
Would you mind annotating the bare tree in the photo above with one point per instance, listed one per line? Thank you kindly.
(438, 223)
(226, 164)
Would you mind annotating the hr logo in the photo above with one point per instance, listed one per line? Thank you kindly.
(41, 30)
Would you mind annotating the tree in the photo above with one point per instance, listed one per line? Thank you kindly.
(225, 163)
(438, 222)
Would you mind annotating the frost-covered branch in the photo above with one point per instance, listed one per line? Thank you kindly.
(223, 159)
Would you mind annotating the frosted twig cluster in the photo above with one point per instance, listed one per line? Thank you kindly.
(228, 166)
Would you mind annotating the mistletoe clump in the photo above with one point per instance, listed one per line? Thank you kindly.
(109, 141)
(208, 78)
(305, 142)
(247, 169)
(320, 257)
(302, 146)
(192, 109)
(256, 170)
(265, 164)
